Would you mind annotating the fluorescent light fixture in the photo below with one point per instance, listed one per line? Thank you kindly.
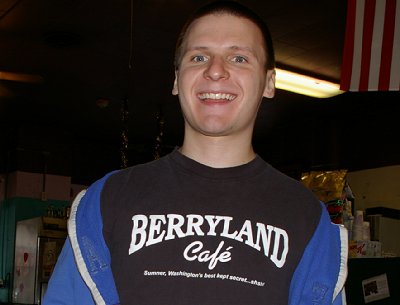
(20, 77)
(305, 85)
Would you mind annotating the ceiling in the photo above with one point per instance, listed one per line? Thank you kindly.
(95, 61)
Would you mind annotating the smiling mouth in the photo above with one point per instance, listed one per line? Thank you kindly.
(217, 96)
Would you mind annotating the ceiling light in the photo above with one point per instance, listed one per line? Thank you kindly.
(20, 77)
(305, 85)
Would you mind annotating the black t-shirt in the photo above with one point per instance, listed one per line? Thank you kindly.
(182, 233)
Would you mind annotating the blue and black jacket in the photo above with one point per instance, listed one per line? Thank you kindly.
(83, 274)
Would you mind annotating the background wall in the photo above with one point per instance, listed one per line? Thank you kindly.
(376, 187)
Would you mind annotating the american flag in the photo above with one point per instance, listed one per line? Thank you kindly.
(371, 56)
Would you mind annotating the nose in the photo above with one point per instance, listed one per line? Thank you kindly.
(216, 69)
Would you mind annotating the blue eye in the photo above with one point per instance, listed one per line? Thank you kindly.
(199, 58)
(239, 59)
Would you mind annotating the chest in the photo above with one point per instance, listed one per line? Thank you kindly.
(211, 247)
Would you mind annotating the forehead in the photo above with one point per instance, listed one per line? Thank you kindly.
(224, 28)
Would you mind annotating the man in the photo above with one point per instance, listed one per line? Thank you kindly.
(210, 223)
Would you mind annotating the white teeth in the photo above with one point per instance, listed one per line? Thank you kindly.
(216, 96)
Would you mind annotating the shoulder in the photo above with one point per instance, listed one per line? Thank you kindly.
(136, 175)
(121, 186)
(290, 189)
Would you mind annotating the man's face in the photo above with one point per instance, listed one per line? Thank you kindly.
(221, 78)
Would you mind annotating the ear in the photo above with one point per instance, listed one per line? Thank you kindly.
(269, 90)
(175, 90)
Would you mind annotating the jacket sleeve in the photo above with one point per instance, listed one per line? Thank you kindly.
(340, 299)
(320, 276)
(66, 286)
(83, 274)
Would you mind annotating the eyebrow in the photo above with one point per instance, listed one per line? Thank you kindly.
(239, 48)
(234, 47)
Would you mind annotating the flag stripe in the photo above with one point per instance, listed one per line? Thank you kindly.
(348, 46)
(395, 72)
(371, 54)
(357, 52)
(369, 14)
(387, 45)
(376, 46)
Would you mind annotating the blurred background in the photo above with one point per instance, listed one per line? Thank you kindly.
(85, 88)
(91, 84)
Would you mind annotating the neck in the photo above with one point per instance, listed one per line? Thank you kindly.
(218, 152)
